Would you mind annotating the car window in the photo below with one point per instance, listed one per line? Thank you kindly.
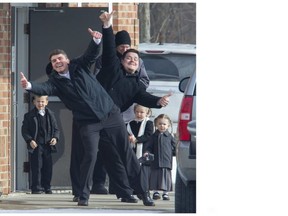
(168, 67)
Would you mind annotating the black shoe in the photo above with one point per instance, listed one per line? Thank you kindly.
(165, 197)
(48, 191)
(156, 196)
(83, 202)
(99, 189)
(37, 192)
(147, 201)
(130, 199)
(139, 196)
(75, 198)
(111, 190)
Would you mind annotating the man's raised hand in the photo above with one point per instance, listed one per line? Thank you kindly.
(106, 18)
(164, 101)
(95, 34)
(23, 80)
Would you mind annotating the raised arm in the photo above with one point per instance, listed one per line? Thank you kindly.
(96, 35)
(109, 73)
(106, 19)
(109, 55)
(93, 51)
(45, 88)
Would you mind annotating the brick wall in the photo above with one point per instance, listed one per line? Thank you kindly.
(5, 98)
(126, 18)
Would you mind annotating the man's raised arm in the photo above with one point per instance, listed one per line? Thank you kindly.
(106, 18)
(96, 35)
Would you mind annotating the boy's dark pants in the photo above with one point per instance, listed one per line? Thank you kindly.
(41, 167)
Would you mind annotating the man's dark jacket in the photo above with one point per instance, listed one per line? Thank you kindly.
(124, 89)
(142, 73)
(82, 93)
(30, 127)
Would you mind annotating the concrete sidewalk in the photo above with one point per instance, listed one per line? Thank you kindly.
(62, 202)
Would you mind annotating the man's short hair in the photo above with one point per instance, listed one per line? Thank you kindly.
(57, 52)
(130, 50)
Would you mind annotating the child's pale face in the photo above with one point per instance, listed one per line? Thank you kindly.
(162, 125)
(40, 102)
(141, 113)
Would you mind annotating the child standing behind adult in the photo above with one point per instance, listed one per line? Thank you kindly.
(40, 132)
(139, 131)
(162, 145)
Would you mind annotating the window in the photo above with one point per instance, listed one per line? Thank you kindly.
(168, 67)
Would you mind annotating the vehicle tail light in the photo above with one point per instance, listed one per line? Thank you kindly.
(185, 115)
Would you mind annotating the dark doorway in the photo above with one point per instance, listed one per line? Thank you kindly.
(63, 28)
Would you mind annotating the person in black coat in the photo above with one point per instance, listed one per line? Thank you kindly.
(123, 43)
(139, 131)
(40, 132)
(119, 78)
(94, 112)
(162, 145)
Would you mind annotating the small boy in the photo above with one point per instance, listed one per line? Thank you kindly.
(41, 133)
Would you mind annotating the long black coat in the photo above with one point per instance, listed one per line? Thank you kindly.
(124, 89)
(30, 126)
(82, 93)
(163, 151)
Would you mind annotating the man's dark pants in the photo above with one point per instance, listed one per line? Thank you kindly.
(120, 162)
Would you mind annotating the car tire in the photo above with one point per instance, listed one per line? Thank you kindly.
(185, 196)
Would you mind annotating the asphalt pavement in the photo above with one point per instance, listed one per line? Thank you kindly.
(61, 202)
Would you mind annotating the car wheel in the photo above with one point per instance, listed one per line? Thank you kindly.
(185, 196)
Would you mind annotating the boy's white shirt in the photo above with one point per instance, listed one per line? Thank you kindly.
(41, 112)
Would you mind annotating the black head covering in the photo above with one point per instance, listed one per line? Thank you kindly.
(122, 37)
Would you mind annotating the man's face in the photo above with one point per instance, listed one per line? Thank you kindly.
(130, 62)
(122, 48)
(60, 63)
